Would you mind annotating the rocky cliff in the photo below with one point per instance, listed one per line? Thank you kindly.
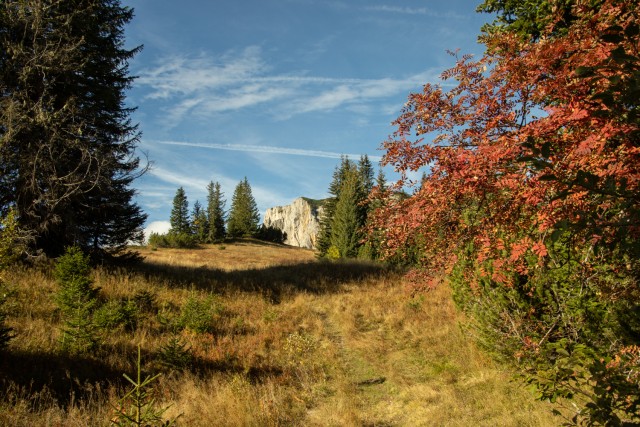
(300, 221)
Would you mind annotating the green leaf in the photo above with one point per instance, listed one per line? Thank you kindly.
(584, 71)
(620, 56)
(548, 177)
(612, 38)
(632, 30)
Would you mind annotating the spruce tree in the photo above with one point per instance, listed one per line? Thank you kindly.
(200, 223)
(243, 216)
(324, 236)
(381, 181)
(67, 144)
(366, 173)
(349, 215)
(77, 300)
(215, 213)
(180, 224)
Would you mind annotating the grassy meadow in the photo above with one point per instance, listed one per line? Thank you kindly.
(257, 334)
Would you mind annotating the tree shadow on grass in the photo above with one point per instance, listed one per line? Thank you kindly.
(57, 378)
(274, 282)
(45, 379)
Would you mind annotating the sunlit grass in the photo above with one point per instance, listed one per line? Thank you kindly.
(295, 342)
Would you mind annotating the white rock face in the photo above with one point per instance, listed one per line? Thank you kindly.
(300, 221)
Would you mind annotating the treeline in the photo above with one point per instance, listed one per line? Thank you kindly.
(346, 211)
(213, 223)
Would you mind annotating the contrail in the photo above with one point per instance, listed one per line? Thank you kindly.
(269, 149)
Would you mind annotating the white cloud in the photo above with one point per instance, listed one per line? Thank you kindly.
(415, 11)
(182, 180)
(160, 227)
(261, 149)
(204, 86)
(180, 75)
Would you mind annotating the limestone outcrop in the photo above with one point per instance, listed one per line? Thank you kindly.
(300, 221)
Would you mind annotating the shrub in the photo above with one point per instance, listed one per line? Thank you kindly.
(138, 406)
(566, 336)
(9, 250)
(6, 333)
(271, 234)
(175, 354)
(333, 252)
(116, 313)
(173, 240)
(198, 313)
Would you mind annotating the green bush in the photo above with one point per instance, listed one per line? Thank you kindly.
(563, 327)
(271, 234)
(6, 333)
(117, 313)
(173, 240)
(10, 249)
(175, 354)
(198, 314)
(333, 252)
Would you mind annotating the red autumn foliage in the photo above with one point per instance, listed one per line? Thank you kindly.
(534, 138)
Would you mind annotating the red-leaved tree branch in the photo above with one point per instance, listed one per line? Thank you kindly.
(534, 139)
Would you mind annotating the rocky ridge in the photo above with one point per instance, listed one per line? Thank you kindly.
(300, 221)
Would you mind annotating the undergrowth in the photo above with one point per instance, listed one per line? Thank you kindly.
(255, 335)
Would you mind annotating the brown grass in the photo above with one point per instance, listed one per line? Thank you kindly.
(297, 342)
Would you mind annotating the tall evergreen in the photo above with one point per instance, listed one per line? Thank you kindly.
(199, 222)
(366, 173)
(349, 215)
(381, 181)
(329, 207)
(180, 223)
(215, 213)
(67, 144)
(243, 216)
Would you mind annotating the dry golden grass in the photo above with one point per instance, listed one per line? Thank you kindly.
(297, 342)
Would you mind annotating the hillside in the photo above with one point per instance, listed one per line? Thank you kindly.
(286, 340)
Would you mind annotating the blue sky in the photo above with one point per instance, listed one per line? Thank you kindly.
(277, 90)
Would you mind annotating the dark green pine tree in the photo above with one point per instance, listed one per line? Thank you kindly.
(366, 173)
(180, 223)
(243, 216)
(375, 236)
(349, 216)
(67, 144)
(381, 181)
(199, 223)
(329, 207)
(215, 213)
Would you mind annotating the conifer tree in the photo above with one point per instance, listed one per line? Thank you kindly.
(215, 213)
(324, 236)
(200, 222)
(67, 144)
(179, 220)
(366, 173)
(77, 299)
(381, 181)
(349, 216)
(244, 216)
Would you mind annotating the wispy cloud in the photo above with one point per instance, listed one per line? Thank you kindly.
(415, 11)
(203, 86)
(267, 149)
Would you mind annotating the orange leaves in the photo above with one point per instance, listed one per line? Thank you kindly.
(500, 178)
